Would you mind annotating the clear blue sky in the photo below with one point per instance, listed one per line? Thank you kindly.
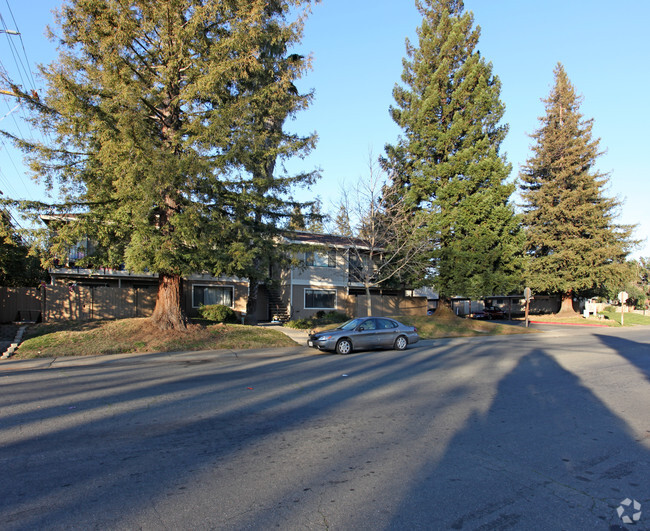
(358, 47)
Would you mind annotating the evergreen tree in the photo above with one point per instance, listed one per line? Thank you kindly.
(342, 225)
(297, 220)
(641, 279)
(572, 241)
(447, 162)
(18, 266)
(167, 122)
(316, 217)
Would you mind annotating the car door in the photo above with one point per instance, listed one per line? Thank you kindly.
(386, 333)
(365, 335)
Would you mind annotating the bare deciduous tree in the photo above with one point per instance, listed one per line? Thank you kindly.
(387, 241)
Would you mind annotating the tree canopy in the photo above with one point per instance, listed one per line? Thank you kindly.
(573, 243)
(166, 124)
(19, 266)
(447, 163)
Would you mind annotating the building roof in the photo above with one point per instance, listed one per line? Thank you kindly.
(329, 240)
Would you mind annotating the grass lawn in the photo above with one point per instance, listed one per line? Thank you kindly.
(449, 325)
(94, 338)
(434, 326)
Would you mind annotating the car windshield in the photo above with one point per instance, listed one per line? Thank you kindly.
(350, 325)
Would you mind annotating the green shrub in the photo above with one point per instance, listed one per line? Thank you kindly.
(320, 318)
(334, 317)
(300, 324)
(218, 313)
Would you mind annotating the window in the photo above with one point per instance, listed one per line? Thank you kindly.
(331, 258)
(320, 298)
(385, 324)
(321, 259)
(361, 268)
(206, 295)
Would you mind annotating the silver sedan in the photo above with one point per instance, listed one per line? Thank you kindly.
(365, 333)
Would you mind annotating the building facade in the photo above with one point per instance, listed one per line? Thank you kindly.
(318, 279)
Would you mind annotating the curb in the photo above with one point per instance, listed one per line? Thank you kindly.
(570, 324)
(17, 340)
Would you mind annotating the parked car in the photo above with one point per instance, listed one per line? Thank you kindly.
(365, 333)
(489, 313)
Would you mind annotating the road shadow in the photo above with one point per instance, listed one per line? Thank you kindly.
(636, 352)
(109, 439)
(398, 440)
(547, 454)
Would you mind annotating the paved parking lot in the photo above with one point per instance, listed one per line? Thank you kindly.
(544, 431)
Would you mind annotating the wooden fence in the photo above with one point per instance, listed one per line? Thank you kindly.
(387, 305)
(20, 304)
(64, 303)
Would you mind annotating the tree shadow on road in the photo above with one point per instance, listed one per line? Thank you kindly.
(547, 454)
(636, 352)
(390, 440)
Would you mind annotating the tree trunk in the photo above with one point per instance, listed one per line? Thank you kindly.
(368, 302)
(444, 311)
(567, 303)
(251, 302)
(444, 305)
(168, 313)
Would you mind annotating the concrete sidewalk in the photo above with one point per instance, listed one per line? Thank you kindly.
(299, 336)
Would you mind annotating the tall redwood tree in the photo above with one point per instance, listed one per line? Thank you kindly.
(165, 120)
(447, 163)
(573, 243)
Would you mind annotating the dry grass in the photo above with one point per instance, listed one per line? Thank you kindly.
(140, 335)
(447, 324)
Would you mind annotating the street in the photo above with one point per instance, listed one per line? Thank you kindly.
(539, 431)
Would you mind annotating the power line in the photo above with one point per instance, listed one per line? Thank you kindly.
(20, 64)
(22, 44)
(23, 70)
(7, 180)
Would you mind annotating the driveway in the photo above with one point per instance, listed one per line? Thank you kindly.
(540, 431)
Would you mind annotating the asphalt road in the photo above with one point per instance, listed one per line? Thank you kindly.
(545, 431)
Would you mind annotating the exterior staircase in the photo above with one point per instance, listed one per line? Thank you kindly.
(278, 310)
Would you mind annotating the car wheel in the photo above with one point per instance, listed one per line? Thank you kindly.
(343, 346)
(401, 343)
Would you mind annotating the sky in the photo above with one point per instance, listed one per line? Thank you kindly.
(357, 48)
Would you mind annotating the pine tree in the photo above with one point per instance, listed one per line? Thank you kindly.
(342, 225)
(447, 162)
(316, 218)
(297, 220)
(18, 266)
(574, 246)
(167, 122)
